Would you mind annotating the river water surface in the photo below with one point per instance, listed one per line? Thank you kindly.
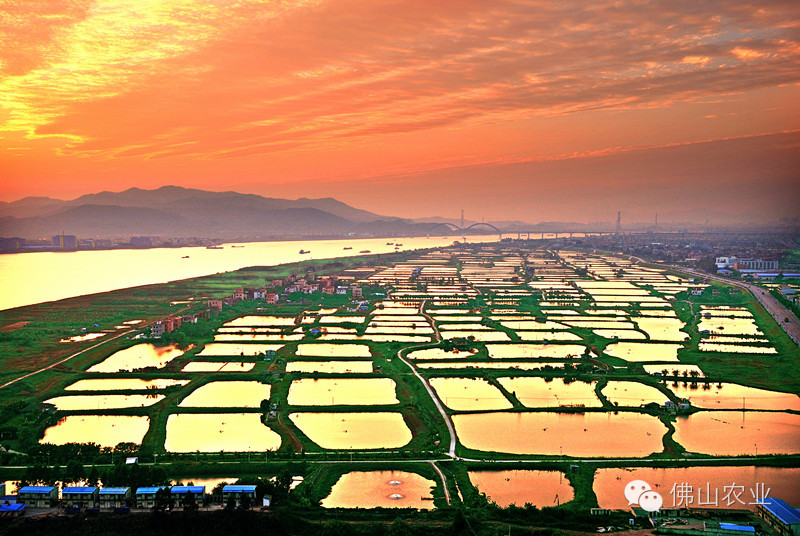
(28, 278)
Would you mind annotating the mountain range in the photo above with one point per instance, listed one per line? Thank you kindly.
(173, 211)
(177, 212)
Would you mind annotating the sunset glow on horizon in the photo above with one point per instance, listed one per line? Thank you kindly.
(531, 111)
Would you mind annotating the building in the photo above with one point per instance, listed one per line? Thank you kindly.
(65, 242)
(38, 496)
(259, 293)
(756, 264)
(237, 493)
(185, 495)
(146, 497)
(271, 298)
(215, 304)
(141, 242)
(672, 407)
(8, 509)
(777, 513)
(11, 244)
(712, 528)
(157, 329)
(79, 496)
(239, 294)
(114, 497)
(356, 293)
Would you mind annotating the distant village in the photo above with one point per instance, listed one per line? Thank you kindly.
(65, 242)
(276, 291)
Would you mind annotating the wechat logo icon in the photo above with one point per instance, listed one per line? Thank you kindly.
(640, 493)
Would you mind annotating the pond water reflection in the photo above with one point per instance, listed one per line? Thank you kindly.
(381, 489)
(104, 430)
(354, 430)
(228, 394)
(520, 487)
(709, 481)
(745, 432)
(571, 434)
(214, 432)
(136, 357)
(336, 391)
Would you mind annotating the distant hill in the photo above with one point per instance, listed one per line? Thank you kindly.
(173, 211)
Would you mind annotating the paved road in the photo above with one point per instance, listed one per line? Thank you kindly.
(450, 429)
(693, 461)
(444, 482)
(447, 421)
(775, 308)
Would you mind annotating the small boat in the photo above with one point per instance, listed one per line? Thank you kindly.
(365, 251)
(214, 247)
(303, 252)
(185, 257)
(348, 247)
(237, 246)
(389, 243)
(398, 245)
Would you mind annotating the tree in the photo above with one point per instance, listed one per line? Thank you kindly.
(73, 472)
(399, 528)
(336, 527)
(162, 499)
(190, 503)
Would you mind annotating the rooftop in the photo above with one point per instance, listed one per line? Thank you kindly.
(114, 491)
(238, 489)
(36, 489)
(781, 510)
(732, 526)
(149, 490)
(188, 489)
(78, 489)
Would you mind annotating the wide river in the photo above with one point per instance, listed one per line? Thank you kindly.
(28, 278)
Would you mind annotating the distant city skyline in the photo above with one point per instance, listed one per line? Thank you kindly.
(535, 111)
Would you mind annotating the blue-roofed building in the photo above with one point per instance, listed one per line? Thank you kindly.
(11, 510)
(780, 516)
(114, 497)
(146, 497)
(38, 496)
(182, 494)
(79, 496)
(712, 528)
(238, 492)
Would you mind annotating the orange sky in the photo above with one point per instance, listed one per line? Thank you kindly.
(511, 110)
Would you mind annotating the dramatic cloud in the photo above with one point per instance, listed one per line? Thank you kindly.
(116, 92)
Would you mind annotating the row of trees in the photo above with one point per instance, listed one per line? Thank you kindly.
(133, 475)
